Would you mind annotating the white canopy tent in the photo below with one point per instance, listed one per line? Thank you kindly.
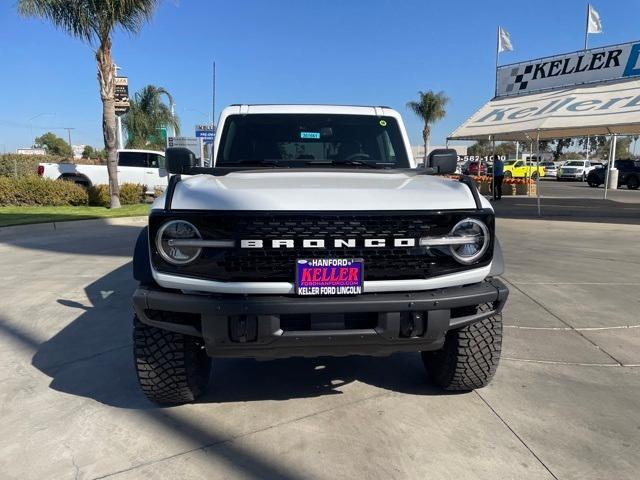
(611, 108)
(579, 111)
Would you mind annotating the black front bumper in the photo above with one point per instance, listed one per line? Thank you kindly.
(260, 325)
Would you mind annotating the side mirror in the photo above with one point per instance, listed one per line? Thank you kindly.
(443, 161)
(179, 159)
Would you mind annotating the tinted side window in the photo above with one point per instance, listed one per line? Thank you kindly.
(155, 161)
(132, 159)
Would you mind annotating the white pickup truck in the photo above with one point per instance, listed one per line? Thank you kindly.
(145, 167)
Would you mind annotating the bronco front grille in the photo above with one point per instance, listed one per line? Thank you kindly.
(278, 265)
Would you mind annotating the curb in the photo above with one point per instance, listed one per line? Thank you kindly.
(69, 225)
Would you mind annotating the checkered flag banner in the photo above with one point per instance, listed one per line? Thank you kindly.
(594, 24)
(504, 41)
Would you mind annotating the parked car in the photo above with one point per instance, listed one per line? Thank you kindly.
(575, 170)
(291, 246)
(145, 167)
(522, 169)
(475, 168)
(628, 174)
(550, 169)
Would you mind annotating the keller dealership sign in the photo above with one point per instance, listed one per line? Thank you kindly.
(587, 66)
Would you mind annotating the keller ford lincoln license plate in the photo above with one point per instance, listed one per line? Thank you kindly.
(329, 276)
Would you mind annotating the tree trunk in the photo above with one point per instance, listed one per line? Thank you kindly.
(106, 79)
(426, 132)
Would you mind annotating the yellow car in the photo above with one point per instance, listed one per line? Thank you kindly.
(522, 169)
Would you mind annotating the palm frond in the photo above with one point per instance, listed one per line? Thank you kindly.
(91, 20)
(430, 106)
(147, 115)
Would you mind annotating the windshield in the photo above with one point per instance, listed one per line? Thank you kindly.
(574, 164)
(300, 140)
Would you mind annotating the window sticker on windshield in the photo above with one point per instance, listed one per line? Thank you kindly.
(383, 123)
(310, 135)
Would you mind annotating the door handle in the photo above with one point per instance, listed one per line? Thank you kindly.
(149, 171)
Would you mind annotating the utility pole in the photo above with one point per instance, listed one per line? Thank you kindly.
(68, 129)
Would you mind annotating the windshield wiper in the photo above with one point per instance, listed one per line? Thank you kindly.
(355, 163)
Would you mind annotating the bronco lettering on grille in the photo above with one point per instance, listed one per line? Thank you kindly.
(334, 243)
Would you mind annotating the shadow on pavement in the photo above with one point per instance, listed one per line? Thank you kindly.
(106, 240)
(91, 357)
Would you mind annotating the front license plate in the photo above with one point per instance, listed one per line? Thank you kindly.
(329, 276)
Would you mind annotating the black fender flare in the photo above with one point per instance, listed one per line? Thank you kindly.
(497, 264)
(141, 259)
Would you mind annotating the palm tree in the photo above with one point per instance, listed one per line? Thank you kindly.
(147, 116)
(94, 21)
(430, 107)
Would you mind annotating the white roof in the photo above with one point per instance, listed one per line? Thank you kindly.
(600, 109)
(310, 108)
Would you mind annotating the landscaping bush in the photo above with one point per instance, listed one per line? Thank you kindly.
(130, 194)
(15, 165)
(30, 190)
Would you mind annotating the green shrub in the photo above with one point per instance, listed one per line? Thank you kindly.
(30, 190)
(98, 195)
(15, 165)
(130, 194)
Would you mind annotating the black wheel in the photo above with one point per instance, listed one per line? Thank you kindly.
(534, 175)
(633, 183)
(171, 367)
(592, 183)
(508, 174)
(469, 357)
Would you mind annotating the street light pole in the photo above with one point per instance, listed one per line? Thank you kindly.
(31, 123)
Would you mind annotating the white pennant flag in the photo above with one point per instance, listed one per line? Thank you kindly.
(504, 41)
(594, 25)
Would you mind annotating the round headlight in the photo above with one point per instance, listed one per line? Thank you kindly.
(173, 242)
(476, 236)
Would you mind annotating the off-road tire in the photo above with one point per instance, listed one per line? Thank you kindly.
(171, 367)
(469, 357)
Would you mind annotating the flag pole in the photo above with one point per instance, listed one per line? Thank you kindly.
(495, 91)
(586, 27)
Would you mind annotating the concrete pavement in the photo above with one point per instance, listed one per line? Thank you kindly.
(565, 402)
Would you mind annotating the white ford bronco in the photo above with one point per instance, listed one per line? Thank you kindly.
(313, 234)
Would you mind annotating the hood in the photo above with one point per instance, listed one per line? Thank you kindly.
(321, 190)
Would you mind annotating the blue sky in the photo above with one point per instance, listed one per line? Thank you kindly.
(373, 52)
